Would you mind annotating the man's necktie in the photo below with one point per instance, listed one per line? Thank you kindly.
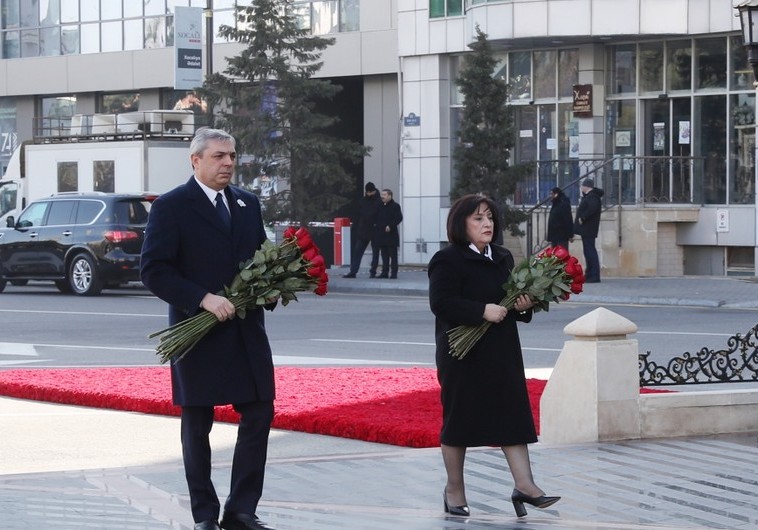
(222, 211)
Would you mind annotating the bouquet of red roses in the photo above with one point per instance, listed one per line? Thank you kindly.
(275, 271)
(550, 276)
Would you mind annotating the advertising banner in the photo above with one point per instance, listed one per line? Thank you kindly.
(188, 45)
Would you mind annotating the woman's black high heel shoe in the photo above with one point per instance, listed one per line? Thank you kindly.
(519, 499)
(455, 510)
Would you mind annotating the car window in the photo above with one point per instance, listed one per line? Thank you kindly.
(61, 213)
(88, 211)
(34, 215)
(132, 212)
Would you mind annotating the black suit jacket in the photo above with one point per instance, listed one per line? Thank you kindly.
(187, 253)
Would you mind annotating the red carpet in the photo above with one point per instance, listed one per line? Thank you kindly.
(398, 406)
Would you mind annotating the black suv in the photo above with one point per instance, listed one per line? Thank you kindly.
(81, 241)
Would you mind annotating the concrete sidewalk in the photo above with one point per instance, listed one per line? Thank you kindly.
(65, 468)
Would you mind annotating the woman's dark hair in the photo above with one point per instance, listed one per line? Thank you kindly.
(462, 208)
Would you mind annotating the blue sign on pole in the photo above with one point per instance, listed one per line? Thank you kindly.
(411, 120)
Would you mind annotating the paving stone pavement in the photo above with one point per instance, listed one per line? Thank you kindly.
(58, 473)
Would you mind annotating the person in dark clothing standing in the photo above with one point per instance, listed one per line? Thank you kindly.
(485, 401)
(195, 238)
(364, 231)
(387, 235)
(560, 225)
(587, 226)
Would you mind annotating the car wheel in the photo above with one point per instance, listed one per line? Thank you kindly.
(63, 286)
(19, 283)
(83, 276)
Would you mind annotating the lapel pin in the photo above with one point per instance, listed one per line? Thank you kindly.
(241, 203)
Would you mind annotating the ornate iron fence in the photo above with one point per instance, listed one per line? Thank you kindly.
(738, 363)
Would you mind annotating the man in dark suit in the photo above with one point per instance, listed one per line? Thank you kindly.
(364, 231)
(387, 235)
(196, 236)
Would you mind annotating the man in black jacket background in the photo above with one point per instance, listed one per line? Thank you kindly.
(368, 208)
(560, 225)
(587, 225)
(387, 235)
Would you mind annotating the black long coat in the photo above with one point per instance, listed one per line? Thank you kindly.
(560, 225)
(187, 253)
(390, 215)
(588, 212)
(484, 395)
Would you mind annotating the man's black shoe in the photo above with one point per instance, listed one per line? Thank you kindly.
(593, 280)
(210, 524)
(348, 275)
(243, 521)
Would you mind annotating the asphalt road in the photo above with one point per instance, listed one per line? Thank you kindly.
(43, 328)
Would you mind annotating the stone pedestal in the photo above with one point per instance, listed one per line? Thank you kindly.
(593, 392)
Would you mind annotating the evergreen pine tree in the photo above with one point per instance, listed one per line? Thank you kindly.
(268, 100)
(482, 154)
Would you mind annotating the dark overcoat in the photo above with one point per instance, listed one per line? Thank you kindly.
(560, 225)
(189, 252)
(484, 395)
(588, 212)
(368, 209)
(390, 215)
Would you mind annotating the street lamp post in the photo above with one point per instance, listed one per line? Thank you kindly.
(748, 13)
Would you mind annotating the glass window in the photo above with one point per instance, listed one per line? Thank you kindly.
(454, 8)
(110, 10)
(568, 72)
(302, 13)
(710, 143)
(155, 32)
(710, 63)
(351, 15)
(158, 7)
(622, 70)
(50, 12)
(171, 4)
(9, 14)
(111, 37)
(11, 44)
(520, 75)
(325, 17)
(223, 4)
(651, 67)
(50, 41)
(30, 43)
(69, 11)
(679, 65)
(88, 212)
(60, 213)
(90, 10)
(68, 176)
(34, 214)
(742, 149)
(436, 8)
(544, 74)
(69, 39)
(55, 113)
(116, 103)
(133, 34)
(29, 14)
(90, 38)
(104, 175)
(741, 72)
(132, 8)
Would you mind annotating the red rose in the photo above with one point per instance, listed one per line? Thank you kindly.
(565, 296)
(561, 253)
(572, 270)
(289, 233)
(321, 287)
(304, 240)
(546, 253)
(318, 261)
(310, 253)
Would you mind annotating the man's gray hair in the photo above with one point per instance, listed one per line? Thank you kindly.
(205, 134)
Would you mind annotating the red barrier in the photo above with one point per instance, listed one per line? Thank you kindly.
(339, 224)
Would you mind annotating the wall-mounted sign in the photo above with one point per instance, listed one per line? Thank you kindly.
(722, 220)
(582, 101)
(411, 120)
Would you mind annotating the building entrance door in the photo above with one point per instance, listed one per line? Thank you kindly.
(666, 148)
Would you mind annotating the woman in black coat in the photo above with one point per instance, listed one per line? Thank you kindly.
(484, 395)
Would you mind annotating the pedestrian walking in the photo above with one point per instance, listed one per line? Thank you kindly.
(560, 225)
(387, 235)
(368, 208)
(485, 401)
(587, 226)
(196, 236)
